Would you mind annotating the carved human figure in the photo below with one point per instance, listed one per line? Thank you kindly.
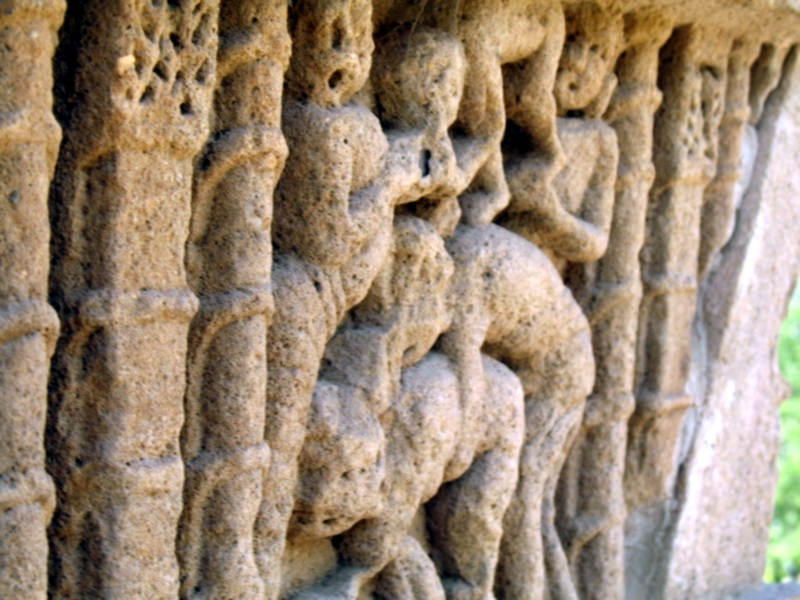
(574, 231)
(392, 451)
(591, 505)
(229, 259)
(381, 380)
(332, 228)
(570, 222)
(511, 48)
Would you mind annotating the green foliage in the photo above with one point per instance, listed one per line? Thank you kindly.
(783, 558)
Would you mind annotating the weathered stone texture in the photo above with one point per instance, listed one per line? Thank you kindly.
(393, 299)
(29, 137)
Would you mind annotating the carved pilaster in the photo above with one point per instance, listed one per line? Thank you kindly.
(718, 199)
(692, 78)
(141, 78)
(594, 524)
(229, 266)
(765, 76)
(29, 138)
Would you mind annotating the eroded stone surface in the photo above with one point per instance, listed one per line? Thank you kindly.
(29, 138)
(392, 299)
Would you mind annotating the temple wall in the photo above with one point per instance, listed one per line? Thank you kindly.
(393, 299)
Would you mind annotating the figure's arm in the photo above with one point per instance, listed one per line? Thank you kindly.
(598, 206)
(462, 345)
(529, 91)
(570, 237)
(371, 208)
(582, 238)
(481, 116)
(311, 209)
(359, 358)
(599, 105)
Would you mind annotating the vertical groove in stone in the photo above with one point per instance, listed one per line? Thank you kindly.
(29, 138)
(765, 75)
(229, 261)
(692, 78)
(718, 199)
(136, 91)
(616, 293)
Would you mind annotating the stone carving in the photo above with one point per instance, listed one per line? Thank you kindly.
(610, 291)
(709, 510)
(29, 137)
(229, 258)
(393, 299)
(686, 138)
(138, 93)
(570, 220)
(719, 202)
(408, 434)
(333, 223)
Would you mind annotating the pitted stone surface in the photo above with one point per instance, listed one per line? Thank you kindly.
(392, 299)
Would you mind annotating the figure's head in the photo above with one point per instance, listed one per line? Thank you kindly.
(331, 50)
(409, 296)
(341, 464)
(594, 39)
(418, 77)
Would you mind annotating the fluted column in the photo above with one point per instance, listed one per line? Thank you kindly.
(718, 198)
(692, 78)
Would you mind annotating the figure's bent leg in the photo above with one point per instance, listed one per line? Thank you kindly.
(295, 345)
(520, 569)
(465, 517)
(592, 531)
(419, 441)
(575, 360)
(554, 408)
(557, 567)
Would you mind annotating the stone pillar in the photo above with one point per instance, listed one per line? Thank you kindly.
(29, 138)
(616, 292)
(137, 93)
(229, 266)
(718, 200)
(692, 77)
(728, 476)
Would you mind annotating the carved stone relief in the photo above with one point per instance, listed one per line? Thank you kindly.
(29, 137)
(137, 95)
(399, 299)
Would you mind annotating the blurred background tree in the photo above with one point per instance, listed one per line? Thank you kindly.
(783, 557)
